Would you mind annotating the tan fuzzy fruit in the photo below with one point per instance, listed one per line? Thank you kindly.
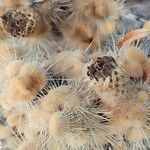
(37, 121)
(13, 3)
(133, 68)
(22, 91)
(5, 132)
(81, 34)
(25, 86)
(71, 63)
(123, 120)
(13, 68)
(121, 123)
(98, 10)
(114, 9)
(107, 27)
(143, 95)
(17, 91)
(135, 134)
(15, 120)
(5, 105)
(78, 140)
(75, 67)
(55, 100)
(58, 125)
(93, 9)
(33, 77)
(135, 54)
(6, 55)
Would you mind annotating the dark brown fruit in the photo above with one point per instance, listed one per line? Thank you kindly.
(18, 23)
(101, 68)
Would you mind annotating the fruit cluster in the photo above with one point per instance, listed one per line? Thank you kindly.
(66, 83)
